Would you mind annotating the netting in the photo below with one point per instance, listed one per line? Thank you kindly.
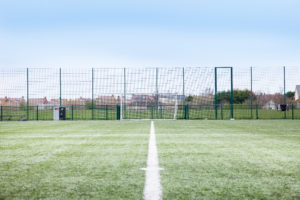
(150, 93)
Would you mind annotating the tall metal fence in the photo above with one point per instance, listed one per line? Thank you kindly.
(151, 93)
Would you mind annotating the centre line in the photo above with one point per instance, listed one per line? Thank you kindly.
(152, 189)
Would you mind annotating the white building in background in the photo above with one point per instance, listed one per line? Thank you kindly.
(270, 105)
(297, 92)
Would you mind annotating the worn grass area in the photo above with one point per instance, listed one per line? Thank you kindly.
(73, 160)
(229, 159)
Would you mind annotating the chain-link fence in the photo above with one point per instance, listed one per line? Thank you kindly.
(151, 93)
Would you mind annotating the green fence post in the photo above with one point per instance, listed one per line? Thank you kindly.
(60, 86)
(106, 112)
(256, 111)
(187, 112)
(92, 93)
(284, 95)
(293, 117)
(152, 112)
(160, 112)
(156, 88)
(72, 112)
(216, 94)
(118, 112)
(124, 102)
(27, 83)
(1, 112)
(37, 112)
(222, 111)
(251, 94)
(231, 93)
(183, 92)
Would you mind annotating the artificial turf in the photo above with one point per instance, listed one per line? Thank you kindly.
(246, 159)
(229, 159)
(73, 160)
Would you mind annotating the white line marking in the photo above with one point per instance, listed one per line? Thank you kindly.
(152, 189)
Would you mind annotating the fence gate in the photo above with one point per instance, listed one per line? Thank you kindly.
(223, 75)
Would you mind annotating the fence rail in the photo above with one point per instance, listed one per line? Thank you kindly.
(186, 111)
(152, 93)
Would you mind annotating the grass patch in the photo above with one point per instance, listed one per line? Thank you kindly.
(229, 159)
(73, 160)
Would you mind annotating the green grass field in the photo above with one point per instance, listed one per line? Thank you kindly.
(229, 159)
(72, 160)
(249, 159)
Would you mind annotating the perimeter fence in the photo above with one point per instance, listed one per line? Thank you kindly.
(151, 93)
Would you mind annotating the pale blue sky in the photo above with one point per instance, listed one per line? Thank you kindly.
(149, 33)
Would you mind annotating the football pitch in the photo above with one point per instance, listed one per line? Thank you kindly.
(246, 159)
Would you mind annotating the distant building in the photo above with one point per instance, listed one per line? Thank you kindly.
(297, 92)
(84, 100)
(137, 98)
(270, 105)
(107, 99)
(36, 101)
(170, 98)
(12, 101)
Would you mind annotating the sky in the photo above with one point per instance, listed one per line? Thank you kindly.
(149, 33)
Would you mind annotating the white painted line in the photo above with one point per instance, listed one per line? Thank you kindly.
(152, 189)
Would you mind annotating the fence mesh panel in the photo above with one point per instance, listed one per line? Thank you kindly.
(151, 93)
